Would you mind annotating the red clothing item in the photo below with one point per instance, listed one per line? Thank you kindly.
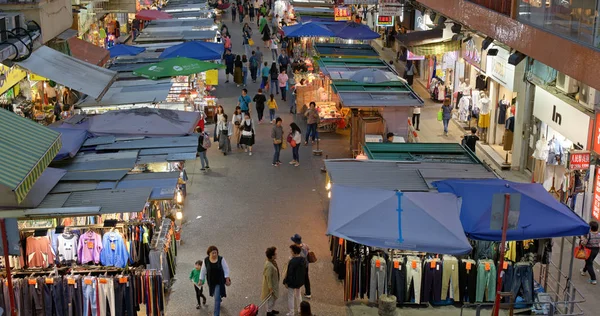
(39, 252)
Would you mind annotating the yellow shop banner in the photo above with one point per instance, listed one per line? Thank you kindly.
(212, 77)
(10, 77)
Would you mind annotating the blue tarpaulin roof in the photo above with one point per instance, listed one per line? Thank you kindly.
(541, 215)
(353, 30)
(195, 49)
(307, 29)
(429, 221)
(71, 139)
(162, 189)
(125, 50)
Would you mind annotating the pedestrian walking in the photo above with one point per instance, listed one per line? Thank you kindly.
(282, 79)
(294, 279)
(247, 36)
(272, 104)
(236, 120)
(265, 76)
(297, 240)
(265, 31)
(305, 309)
(260, 99)
(274, 78)
(238, 77)
(295, 139)
(215, 272)
(253, 66)
(416, 117)
(247, 139)
(233, 12)
(312, 121)
(202, 147)
(277, 136)
(446, 115)
(245, 66)
(251, 13)
(293, 106)
(225, 132)
(592, 242)
(259, 58)
(198, 288)
(273, 47)
(229, 64)
(244, 101)
(241, 12)
(409, 74)
(283, 60)
(217, 118)
(270, 283)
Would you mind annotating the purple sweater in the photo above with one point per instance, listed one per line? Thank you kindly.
(90, 246)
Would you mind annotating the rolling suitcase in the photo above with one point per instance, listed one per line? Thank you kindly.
(252, 309)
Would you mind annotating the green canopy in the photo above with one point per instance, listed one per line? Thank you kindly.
(172, 67)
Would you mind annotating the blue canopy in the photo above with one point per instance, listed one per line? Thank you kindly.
(196, 50)
(541, 215)
(353, 30)
(427, 221)
(125, 50)
(308, 29)
(71, 139)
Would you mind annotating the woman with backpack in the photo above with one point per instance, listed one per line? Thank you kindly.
(274, 78)
(202, 146)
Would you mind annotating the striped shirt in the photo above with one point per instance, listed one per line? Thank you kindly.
(592, 240)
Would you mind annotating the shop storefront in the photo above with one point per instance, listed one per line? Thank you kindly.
(559, 130)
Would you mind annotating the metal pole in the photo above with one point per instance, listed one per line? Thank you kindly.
(560, 262)
(502, 250)
(569, 283)
(11, 293)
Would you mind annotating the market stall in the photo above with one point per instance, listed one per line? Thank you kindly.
(346, 50)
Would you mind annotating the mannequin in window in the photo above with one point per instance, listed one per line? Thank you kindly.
(503, 105)
(484, 115)
(540, 155)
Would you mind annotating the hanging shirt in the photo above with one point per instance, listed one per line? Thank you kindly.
(67, 247)
(114, 252)
(39, 252)
(89, 248)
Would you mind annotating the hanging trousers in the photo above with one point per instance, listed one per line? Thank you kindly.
(106, 294)
(54, 296)
(468, 281)
(507, 281)
(124, 298)
(432, 281)
(74, 298)
(450, 279)
(486, 281)
(33, 298)
(377, 286)
(89, 298)
(413, 274)
(398, 288)
(523, 280)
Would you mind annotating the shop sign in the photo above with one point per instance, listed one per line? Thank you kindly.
(383, 20)
(421, 21)
(390, 7)
(34, 77)
(579, 160)
(561, 117)
(596, 145)
(342, 13)
(411, 56)
(10, 76)
(596, 205)
(471, 51)
(500, 70)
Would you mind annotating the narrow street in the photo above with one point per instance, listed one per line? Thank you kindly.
(244, 205)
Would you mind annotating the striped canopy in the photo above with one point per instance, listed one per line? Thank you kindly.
(26, 149)
(435, 48)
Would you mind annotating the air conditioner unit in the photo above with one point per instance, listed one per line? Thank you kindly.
(3, 29)
(566, 84)
(14, 20)
(589, 96)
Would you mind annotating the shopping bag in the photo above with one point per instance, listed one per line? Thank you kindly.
(440, 115)
(582, 252)
(250, 42)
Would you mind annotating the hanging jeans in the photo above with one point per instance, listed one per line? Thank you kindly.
(377, 284)
(523, 280)
(398, 288)
(89, 298)
(33, 297)
(450, 283)
(74, 298)
(432, 281)
(507, 281)
(106, 294)
(468, 281)
(124, 297)
(53, 297)
(413, 274)
(486, 281)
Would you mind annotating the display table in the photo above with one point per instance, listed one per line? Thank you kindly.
(330, 117)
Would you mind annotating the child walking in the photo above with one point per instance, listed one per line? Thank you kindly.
(195, 278)
(272, 104)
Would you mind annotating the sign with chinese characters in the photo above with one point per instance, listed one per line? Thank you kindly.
(384, 20)
(10, 77)
(579, 160)
(390, 8)
(596, 145)
(342, 13)
(596, 204)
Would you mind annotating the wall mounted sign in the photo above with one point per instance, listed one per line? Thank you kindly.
(384, 20)
(342, 13)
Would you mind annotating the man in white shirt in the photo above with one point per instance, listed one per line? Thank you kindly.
(416, 117)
